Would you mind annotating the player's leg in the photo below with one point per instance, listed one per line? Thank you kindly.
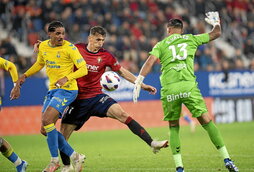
(216, 138)
(197, 107)
(74, 118)
(66, 130)
(172, 113)
(56, 102)
(175, 144)
(49, 118)
(8, 152)
(115, 111)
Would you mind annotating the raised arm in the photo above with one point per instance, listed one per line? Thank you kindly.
(213, 19)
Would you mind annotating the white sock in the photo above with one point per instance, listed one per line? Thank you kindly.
(73, 155)
(18, 162)
(55, 159)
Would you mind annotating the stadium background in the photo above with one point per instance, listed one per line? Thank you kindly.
(224, 67)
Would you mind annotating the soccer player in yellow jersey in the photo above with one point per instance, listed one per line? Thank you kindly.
(5, 147)
(59, 57)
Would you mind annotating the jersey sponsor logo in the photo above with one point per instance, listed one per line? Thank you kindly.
(92, 68)
(181, 95)
(52, 64)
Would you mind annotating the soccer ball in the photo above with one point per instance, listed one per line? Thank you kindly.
(110, 81)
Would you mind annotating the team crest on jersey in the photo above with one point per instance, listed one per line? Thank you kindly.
(99, 59)
(58, 54)
(116, 63)
(44, 53)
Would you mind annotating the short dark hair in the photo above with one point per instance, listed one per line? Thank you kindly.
(176, 23)
(98, 30)
(53, 25)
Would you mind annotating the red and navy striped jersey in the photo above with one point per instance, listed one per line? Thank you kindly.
(89, 85)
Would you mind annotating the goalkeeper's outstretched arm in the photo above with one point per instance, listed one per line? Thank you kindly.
(215, 33)
(213, 19)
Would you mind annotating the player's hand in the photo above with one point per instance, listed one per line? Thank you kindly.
(15, 92)
(36, 46)
(61, 82)
(137, 87)
(152, 90)
(212, 18)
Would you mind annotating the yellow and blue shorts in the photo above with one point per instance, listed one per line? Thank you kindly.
(59, 99)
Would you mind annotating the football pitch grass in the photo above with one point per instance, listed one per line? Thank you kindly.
(121, 151)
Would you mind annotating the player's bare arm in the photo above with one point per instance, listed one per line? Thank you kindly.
(148, 65)
(131, 78)
(126, 75)
(215, 33)
(36, 46)
(61, 82)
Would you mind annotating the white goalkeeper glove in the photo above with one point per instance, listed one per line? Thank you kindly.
(137, 88)
(212, 18)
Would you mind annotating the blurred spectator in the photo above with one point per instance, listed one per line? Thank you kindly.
(251, 66)
(134, 27)
(7, 49)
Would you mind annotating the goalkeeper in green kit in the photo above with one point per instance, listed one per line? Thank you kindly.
(176, 54)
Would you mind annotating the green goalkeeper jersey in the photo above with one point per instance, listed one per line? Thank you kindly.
(176, 53)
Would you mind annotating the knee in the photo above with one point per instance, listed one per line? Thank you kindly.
(122, 116)
(204, 119)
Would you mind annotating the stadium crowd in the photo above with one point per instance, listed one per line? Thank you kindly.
(134, 27)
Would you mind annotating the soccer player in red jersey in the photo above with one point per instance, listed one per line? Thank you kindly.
(91, 101)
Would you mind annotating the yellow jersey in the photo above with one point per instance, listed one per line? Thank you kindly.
(10, 67)
(59, 62)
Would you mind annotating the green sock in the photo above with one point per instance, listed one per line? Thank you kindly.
(175, 146)
(214, 134)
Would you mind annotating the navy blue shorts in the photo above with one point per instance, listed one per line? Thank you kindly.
(81, 110)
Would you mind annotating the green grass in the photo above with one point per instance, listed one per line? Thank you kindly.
(121, 151)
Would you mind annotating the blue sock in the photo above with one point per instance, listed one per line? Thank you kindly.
(186, 118)
(64, 145)
(52, 139)
(13, 158)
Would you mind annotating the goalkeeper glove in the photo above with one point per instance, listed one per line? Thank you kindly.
(137, 87)
(212, 18)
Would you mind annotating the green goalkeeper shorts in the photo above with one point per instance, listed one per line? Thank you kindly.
(184, 92)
